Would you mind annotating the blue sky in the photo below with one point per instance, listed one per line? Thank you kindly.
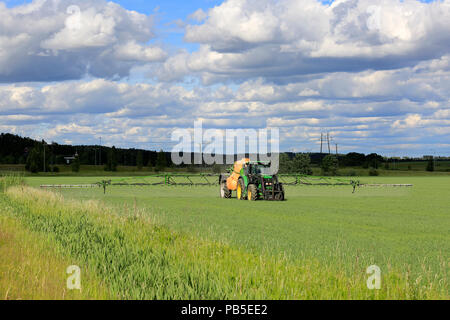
(375, 74)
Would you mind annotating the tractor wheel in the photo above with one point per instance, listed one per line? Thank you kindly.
(240, 189)
(224, 192)
(280, 196)
(252, 192)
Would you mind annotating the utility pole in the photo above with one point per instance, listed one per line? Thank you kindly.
(336, 149)
(328, 139)
(321, 142)
(52, 158)
(100, 154)
(43, 143)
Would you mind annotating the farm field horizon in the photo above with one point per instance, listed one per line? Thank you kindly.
(404, 231)
(402, 169)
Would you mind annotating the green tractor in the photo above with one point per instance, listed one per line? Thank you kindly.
(252, 181)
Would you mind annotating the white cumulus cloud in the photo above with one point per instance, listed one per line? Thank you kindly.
(56, 40)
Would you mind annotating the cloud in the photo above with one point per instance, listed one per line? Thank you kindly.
(70, 128)
(54, 40)
(96, 97)
(144, 115)
(198, 15)
(285, 41)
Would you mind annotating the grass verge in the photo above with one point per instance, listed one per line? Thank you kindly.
(11, 179)
(30, 268)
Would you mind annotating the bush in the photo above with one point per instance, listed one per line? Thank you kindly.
(301, 164)
(55, 169)
(285, 163)
(330, 165)
(373, 172)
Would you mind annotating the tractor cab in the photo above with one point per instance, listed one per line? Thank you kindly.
(258, 168)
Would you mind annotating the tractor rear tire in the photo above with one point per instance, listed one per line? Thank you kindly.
(252, 192)
(240, 189)
(280, 196)
(224, 192)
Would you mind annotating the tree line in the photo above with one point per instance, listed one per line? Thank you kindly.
(40, 156)
(31, 153)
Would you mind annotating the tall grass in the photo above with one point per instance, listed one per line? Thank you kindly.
(138, 259)
(10, 179)
(30, 268)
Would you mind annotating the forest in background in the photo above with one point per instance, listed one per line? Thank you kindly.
(17, 150)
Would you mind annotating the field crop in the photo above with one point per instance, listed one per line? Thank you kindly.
(185, 242)
(139, 260)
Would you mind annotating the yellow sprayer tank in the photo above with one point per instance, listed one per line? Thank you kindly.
(233, 179)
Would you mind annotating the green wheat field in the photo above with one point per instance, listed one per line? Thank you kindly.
(164, 242)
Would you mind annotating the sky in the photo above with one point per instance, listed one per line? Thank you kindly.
(373, 73)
